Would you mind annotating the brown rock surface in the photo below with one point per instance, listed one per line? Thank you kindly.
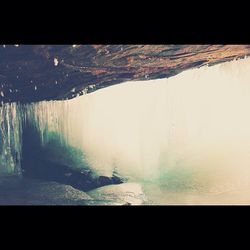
(44, 72)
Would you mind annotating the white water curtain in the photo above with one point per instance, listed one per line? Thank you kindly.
(198, 120)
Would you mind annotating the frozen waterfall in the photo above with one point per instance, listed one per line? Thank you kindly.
(10, 138)
(196, 121)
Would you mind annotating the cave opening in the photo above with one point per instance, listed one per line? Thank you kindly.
(187, 133)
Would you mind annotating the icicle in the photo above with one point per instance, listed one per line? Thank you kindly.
(10, 138)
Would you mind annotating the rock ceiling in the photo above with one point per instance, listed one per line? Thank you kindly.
(31, 73)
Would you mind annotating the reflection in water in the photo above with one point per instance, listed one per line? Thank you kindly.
(159, 195)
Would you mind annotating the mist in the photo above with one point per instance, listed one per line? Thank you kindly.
(196, 122)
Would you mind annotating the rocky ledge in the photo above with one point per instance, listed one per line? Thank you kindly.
(31, 73)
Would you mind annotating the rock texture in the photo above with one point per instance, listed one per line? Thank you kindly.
(15, 191)
(31, 73)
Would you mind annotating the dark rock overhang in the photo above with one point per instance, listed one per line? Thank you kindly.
(30, 73)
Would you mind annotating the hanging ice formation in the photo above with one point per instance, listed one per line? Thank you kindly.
(10, 138)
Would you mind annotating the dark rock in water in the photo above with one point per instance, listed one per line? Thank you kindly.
(117, 180)
(37, 163)
(127, 204)
(83, 180)
(104, 180)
